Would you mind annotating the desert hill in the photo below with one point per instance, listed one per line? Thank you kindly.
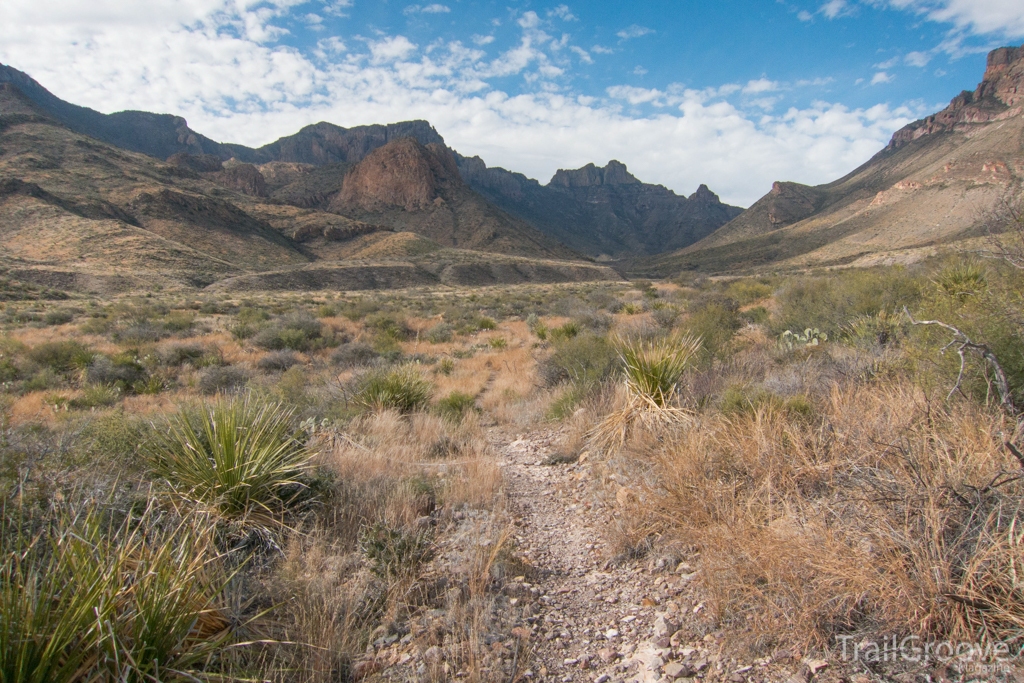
(602, 211)
(598, 212)
(934, 183)
(80, 214)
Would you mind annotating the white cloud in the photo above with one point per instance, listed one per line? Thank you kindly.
(833, 9)
(759, 86)
(888, 64)
(602, 50)
(215, 62)
(920, 59)
(804, 15)
(881, 77)
(436, 8)
(563, 13)
(483, 40)
(582, 54)
(640, 71)
(999, 17)
(634, 31)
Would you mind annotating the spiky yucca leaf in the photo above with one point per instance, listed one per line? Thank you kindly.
(653, 367)
(235, 456)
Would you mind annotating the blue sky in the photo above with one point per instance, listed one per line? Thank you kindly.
(734, 93)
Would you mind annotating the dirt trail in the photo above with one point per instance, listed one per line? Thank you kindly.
(592, 619)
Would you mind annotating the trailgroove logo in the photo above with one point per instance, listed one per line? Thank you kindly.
(917, 650)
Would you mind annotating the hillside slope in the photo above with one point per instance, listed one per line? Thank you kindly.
(932, 184)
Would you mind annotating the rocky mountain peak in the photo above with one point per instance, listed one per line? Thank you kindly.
(704, 195)
(1000, 95)
(615, 173)
(403, 173)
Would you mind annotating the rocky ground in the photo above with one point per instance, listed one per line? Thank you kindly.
(582, 614)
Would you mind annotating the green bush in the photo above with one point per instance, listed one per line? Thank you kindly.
(746, 292)
(389, 327)
(586, 359)
(399, 388)
(59, 316)
(238, 456)
(297, 332)
(62, 356)
(486, 323)
(277, 361)
(715, 324)
(653, 367)
(737, 400)
(225, 379)
(456, 404)
(353, 354)
(440, 333)
(122, 371)
(96, 396)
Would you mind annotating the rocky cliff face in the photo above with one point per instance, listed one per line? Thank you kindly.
(1000, 95)
(403, 173)
(602, 211)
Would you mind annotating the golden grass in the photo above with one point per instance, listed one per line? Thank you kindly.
(884, 516)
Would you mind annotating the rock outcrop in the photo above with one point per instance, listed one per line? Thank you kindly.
(403, 173)
(1000, 95)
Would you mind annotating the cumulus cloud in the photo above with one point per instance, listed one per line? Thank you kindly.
(634, 31)
(435, 8)
(881, 77)
(833, 9)
(999, 17)
(216, 63)
(563, 13)
(759, 86)
(919, 59)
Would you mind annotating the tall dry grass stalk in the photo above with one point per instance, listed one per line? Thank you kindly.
(889, 514)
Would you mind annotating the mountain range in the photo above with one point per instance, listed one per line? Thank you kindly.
(933, 185)
(115, 201)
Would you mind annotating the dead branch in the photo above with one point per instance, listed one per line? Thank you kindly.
(963, 343)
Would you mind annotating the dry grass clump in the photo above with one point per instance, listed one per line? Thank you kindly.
(889, 514)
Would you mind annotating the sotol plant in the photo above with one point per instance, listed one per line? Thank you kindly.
(236, 456)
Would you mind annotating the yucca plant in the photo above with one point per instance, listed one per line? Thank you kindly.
(236, 456)
(653, 367)
(652, 370)
(401, 389)
(82, 600)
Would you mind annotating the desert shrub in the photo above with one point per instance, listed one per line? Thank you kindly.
(567, 401)
(122, 371)
(746, 292)
(178, 321)
(485, 323)
(250, 315)
(568, 330)
(440, 333)
(456, 404)
(714, 324)
(95, 396)
(632, 308)
(758, 315)
(498, 343)
(394, 551)
(326, 311)
(666, 316)
(196, 355)
(61, 356)
(585, 359)
(238, 456)
(141, 333)
(399, 388)
(296, 331)
(353, 354)
(445, 366)
(389, 327)
(743, 400)
(58, 316)
(359, 309)
(277, 361)
(962, 279)
(832, 301)
(224, 379)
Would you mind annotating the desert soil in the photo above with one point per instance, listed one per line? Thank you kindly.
(597, 617)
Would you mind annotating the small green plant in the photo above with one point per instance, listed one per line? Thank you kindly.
(790, 340)
(440, 333)
(399, 388)
(456, 404)
(962, 280)
(498, 343)
(445, 366)
(237, 456)
(58, 316)
(569, 330)
(631, 308)
(62, 356)
(394, 551)
(486, 323)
